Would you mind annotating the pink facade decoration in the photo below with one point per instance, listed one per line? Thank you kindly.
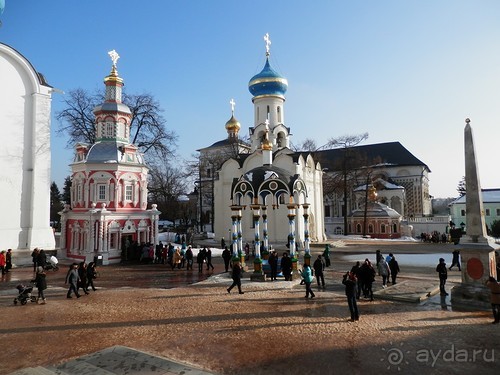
(108, 210)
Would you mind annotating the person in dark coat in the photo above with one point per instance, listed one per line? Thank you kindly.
(326, 255)
(82, 274)
(41, 259)
(357, 273)
(367, 273)
(34, 256)
(455, 260)
(91, 275)
(286, 266)
(319, 267)
(237, 271)
(8, 260)
(349, 281)
(273, 264)
(443, 275)
(189, 258)
(208, 256)
(394, 267)
(226, 256)
(72, 279)
(41, 284)
(199, 259)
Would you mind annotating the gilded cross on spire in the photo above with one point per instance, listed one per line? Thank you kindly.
(267, 39)
(233, 103)
(114, 57)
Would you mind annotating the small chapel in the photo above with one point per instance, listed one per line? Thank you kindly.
(266, 194)
(109, 187)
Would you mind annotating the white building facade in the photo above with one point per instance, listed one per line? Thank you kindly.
(25, 99)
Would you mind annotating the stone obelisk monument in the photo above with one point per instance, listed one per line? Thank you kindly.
(477, 249)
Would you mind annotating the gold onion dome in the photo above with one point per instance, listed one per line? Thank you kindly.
(113, 76)
(233, 124)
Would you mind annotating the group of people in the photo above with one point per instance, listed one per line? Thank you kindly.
(80, 275)
(359, 280)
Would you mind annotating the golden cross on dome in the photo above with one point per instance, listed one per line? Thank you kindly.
(233, 103)
(268, 43)
(114, 57)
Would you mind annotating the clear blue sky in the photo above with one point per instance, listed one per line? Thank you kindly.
(408, 71)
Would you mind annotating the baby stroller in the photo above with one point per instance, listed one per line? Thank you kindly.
(52, 264)
(24, 294)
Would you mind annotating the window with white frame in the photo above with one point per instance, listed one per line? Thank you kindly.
(78, 192)
(487, 212)
(462, 212)
(129, 192)
(101, 192)
(498, 211)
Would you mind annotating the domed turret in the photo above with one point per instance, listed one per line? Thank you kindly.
(268, 82)
(233, 126)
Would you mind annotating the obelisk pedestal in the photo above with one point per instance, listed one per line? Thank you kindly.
(477, 249)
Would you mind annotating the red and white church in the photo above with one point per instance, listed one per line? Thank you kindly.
(109, 187)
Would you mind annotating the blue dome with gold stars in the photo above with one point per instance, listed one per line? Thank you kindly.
(268, 82)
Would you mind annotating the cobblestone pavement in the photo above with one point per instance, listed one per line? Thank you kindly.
(270, 329)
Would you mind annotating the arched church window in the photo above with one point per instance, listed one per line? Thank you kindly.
(267, 113)
(394, 228)
(279, 114)
(382, 228)
(358, 228)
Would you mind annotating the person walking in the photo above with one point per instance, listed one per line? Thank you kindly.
(394, 267)
(319, 267)
(349, 280)
(41, 284)
(443, 275)
(82, 274)
(308, 279)
(72, 279)
(286, 266)
(368, 274)
(455, 260)
(226, 256)
(91, 275)
(326, 255)
(236, 276)
(208, 255)
(384, 271)
(199, 259)
(494, 288)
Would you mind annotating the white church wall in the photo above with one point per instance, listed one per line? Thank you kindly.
(25, 175)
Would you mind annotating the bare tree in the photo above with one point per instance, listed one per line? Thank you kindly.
(166, 185)
(348, 167)
(147, 128)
